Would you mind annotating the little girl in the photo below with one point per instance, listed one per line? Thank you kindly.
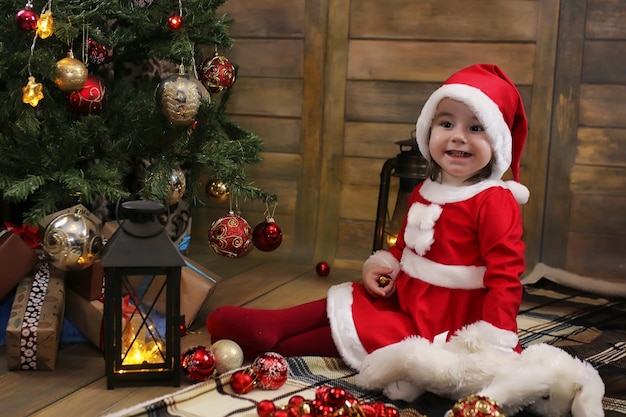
(458, 257)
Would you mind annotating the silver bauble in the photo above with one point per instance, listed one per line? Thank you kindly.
(228, 355)
(179, 97)
(72, 241)
(178, 186)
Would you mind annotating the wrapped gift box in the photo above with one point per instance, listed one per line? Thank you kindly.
(197, 283)
(16, 260)
(89, 282)
(35, 321)
(88, 317)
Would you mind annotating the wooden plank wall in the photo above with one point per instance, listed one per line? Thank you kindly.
(587, 184)
(332, 85)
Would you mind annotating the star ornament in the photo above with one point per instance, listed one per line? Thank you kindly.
(32, 92)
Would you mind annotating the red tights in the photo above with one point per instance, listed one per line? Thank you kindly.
(296, 331)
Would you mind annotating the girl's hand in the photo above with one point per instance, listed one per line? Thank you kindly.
(377, 281)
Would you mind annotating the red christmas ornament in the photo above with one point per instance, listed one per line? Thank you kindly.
(175, 22)
(217, 73)
(322, 269)
(242, 382)
(97, 54)
(477, 406)
(26, 19)
(265, 408)
(267, 236)
(90, 99)
(198, 363)
(230, 236)
(271, 370)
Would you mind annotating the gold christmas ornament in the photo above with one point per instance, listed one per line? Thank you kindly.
(72, 241)
(217, 191)
(179, 97)
(32, 92)
(178, 186)
(71, 73)
(45, 25)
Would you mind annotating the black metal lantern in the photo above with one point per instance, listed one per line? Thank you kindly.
(410, 167)
(142, 268)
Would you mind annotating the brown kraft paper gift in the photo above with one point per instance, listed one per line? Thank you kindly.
(196, 285)
(35, 322)
(16, 260)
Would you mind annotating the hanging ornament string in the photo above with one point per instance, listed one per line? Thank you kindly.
(32, 92)
(270, 216)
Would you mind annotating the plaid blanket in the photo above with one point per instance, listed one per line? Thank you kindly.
(587, 325)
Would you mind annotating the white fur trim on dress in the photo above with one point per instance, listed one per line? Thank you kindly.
(448, 276)
(487, 112)
(442, 194)
(384, 258)
(339, 310)
(419, 233)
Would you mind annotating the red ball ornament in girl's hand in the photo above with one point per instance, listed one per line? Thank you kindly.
(175, 22)
(271, 370)
(26, 19)
(267, 236)
(242, 382)
(198, 363)
(90, 99)
(322, 269)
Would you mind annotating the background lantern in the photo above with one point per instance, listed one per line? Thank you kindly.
(142, 268)
(410, 167)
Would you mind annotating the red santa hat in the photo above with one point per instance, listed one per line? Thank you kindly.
(497, 104)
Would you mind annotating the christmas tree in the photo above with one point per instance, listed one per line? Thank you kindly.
(116, 99)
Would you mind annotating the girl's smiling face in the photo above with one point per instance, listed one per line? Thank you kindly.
(458, 142)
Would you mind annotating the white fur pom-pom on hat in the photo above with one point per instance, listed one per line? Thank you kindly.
(496, 102)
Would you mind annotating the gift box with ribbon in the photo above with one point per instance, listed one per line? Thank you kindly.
(17, 258)
(35, 321)
(88, 317)
(197, 283)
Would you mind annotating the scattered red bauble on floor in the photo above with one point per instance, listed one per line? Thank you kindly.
(242, 382)
(198, 363)
(322, 269)
(271, 370)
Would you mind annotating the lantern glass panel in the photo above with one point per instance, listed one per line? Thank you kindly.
(144, 330)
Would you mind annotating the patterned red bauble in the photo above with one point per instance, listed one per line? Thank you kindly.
(175, 22)
(90, 99)
(26, 19)
(271, 370)
(322, 269)
(198, 363)
(477, 406)
(97, 54)
(242, 382)
(267, 236)
(217, 73)
(230, 236)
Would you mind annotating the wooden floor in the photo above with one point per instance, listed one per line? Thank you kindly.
(77, 387)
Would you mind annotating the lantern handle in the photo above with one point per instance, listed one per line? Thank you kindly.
(142, 207)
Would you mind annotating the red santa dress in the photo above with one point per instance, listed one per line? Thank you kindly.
(458, 260)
